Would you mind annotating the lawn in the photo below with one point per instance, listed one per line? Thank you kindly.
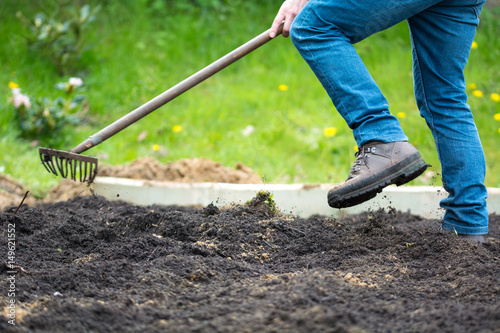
(267, 110)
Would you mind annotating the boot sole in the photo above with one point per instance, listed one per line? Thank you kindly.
(367, 188)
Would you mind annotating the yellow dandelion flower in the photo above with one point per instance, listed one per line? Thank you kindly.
(477, 93)
(495, 97)
(13, 85)
(156, 147)
(355, 147)
(472, 86)
(177, 129)
(330, 131)
(401, 115)
(283, 87)
(474, 45)
(497, 117)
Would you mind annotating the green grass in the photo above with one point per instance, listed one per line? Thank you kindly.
(138, 52)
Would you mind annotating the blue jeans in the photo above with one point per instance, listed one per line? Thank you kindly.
(441, 33)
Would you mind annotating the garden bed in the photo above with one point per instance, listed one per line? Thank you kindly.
(89, 264)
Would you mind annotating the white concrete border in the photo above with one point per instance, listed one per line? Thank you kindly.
(295, 199)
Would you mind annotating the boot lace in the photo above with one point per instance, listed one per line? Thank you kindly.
(362, 156)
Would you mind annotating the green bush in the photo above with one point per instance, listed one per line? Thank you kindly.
(62, 40)
(44, 118)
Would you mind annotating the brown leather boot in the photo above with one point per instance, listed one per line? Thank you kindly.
(378, 165)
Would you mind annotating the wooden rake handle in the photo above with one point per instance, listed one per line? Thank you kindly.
(173, 92)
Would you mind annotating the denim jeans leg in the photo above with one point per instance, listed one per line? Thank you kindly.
(442, 34)
(442, 37)
(324, 33)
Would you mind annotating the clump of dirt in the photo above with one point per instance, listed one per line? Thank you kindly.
(264, 203)
(211, 209)
(92, 265)
(184, 170)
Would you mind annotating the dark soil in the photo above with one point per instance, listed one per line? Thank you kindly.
(91, 265)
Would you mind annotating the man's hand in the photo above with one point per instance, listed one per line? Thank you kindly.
(289, 9)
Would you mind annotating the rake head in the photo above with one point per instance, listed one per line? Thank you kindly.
(69, 165)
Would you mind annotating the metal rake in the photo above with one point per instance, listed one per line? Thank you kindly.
(70, 164)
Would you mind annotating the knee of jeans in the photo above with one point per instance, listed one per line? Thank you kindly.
(296, 33)
(301, 33)
(303, 30)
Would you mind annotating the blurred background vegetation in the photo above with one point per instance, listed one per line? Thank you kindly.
(267, 110)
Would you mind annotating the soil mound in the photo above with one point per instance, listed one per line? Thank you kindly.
(91, 265)
(67, 189)
(12, 193)
(184, 170)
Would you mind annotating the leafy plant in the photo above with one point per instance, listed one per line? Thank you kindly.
(264, 199)
(271, 203)
(43, 118)
(62, 40)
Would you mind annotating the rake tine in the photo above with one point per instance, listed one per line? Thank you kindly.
(69, 168)
(93, 171)
(48, 163)
(72, 168)
(72, 165)
(83, 171)
(61, 167)
(89, 170)
(57, 163)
